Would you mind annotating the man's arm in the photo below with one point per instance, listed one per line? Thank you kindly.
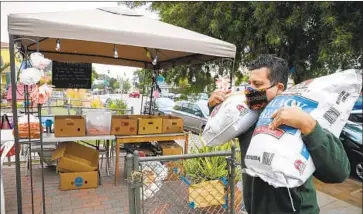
(217, 97)
(327, 151)
(210, 109)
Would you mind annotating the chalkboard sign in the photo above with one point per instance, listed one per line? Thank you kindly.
(71, 75)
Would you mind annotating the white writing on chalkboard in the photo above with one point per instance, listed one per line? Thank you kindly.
(71, 75)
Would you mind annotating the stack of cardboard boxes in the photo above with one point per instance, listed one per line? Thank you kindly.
(77, 164)
(145, 124)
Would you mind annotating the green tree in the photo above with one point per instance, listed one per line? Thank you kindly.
(94, 74)
(145, 78)
(126, 86)
(182, 77)
(4, 66)
(112, 83)
(316, 38)
(117, 105)
(116, 85)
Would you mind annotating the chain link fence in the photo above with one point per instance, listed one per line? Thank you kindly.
(168, 185)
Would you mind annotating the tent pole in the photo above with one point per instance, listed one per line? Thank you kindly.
(143, 90)
(15, 125)
(41, 146)
(152, 90)
(231, 74)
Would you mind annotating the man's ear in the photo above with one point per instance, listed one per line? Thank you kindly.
(280, 88)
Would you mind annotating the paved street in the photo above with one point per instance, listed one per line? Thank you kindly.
(131, 102)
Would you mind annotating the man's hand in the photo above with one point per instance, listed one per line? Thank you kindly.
(217, 97)
(294, 117)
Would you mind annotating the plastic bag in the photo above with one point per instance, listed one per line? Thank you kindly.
(228, 120)
(30, 76)
(280, 157)
(98, 122)
(5, 123)
(154, 173)
(38, 61)
(23, 127)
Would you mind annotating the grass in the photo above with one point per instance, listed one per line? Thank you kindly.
(58, 111)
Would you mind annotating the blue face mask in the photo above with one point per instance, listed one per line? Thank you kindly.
(256, 98)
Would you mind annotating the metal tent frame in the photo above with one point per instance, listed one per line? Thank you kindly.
(28, 36)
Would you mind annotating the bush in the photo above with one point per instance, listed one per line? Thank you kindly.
(117, 105)
(209, 168)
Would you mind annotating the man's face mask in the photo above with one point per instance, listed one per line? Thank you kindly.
(256, 98)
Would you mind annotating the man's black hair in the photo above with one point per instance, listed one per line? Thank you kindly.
(279, 70)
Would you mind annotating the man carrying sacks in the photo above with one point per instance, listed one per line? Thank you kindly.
(268, 78)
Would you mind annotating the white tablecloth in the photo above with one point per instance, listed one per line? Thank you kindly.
(7, 135)
(48, 138)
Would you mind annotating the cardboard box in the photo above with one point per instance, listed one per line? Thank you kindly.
(172, 124)
(175, 170)
(207, 193)
(78, 180)
(69, 126)
(74, 157)
(148, 124)
(123, 125)
(171, 148)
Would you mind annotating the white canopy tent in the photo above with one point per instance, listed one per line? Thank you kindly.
(91, 36)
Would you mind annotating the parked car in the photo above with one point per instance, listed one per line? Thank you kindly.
(359, 104)
(351, 137)
(161, 106)
(356, 116)
(203, 96)
(195, 114)
(177, 96)
(135, 94)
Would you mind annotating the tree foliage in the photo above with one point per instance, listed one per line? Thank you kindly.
(95, 75)
(4, 66)
(126, 86)
(180, 77)
(316, 38)
(144, 77)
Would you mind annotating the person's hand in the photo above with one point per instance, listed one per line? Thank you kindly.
(294, 117)
(218, 96)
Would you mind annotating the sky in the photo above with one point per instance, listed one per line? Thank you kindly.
(36, 7)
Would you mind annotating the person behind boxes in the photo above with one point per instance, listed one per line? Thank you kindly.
(268, 78)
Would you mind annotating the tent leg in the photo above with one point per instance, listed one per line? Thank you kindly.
(231, 74)
(151, 94)
(15, 125)
(142, 95)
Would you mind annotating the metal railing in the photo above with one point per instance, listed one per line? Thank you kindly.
(161, 185)
(68, 108)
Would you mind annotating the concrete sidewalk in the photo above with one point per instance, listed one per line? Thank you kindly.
(107, 198)
(331, 205)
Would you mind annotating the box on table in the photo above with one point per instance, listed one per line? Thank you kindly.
(98, 122)
(123, 125)
(172, 124)
(69, 126)
(74, 157)
(148, 124)
(175, 170)
(78, 180)
(171, 148)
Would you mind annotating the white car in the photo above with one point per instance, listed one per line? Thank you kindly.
(195, 114)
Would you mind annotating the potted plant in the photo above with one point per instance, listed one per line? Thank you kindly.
(207, 176)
